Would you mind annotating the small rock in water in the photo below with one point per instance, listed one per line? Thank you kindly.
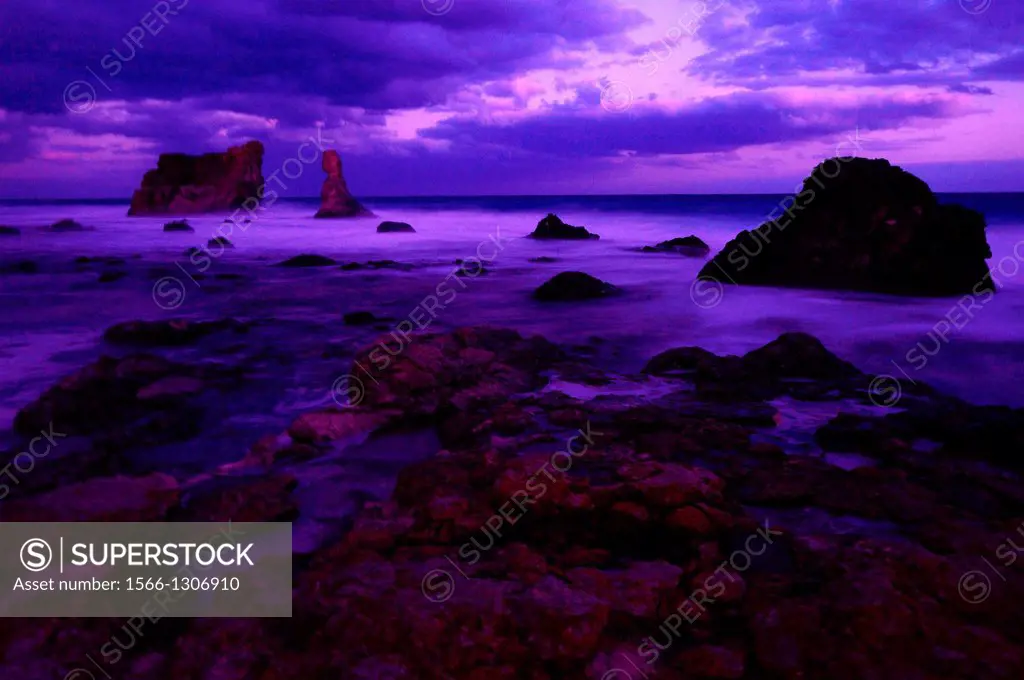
(307, 260)
(178, 225)
(9, 231)
(111, 275)
(20, 267)
(388, 227)
(544, 259)
(220, 241)
(359, 318)
(687, 245)
(573, 286)
(552, 227)
(66, 225)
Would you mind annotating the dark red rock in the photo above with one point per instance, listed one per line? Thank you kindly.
(871, 227)
(182, 184)
(335, 198)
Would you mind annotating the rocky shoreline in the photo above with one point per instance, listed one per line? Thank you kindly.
(566, 520)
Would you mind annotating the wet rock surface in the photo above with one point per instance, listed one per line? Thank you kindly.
(551, 536)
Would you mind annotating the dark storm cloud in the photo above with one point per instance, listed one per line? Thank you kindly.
(377, 55)
(713, 125)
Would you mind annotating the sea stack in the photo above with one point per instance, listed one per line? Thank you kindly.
(335, 198)
(864, 225)
(213, 182)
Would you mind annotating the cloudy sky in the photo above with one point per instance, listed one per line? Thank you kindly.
(453, 97)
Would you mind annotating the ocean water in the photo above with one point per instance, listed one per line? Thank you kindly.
(53, 320)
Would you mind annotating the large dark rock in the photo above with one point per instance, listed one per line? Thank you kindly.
(871, 227)
(389, 227)
(552, 227)
(9, 231)
(335, 198)
(687, 245)
(213, 182)
(573, 286)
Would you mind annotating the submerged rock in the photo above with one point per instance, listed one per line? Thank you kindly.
(377, 264)
(111, 275)
(220, 241)
(687, 245)
(552, 227)
(307, 260)
(388, 227)
(173, 333)
(872, 227)
(569, 286)
(183, 185)
(359, 318)
(20, 267)
(335, 198)
(178, 225)
(66, 225)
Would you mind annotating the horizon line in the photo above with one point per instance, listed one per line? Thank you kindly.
(127, 201)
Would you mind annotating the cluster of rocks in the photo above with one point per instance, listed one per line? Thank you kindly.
(554, 537)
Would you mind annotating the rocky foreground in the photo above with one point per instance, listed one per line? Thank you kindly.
(660, 527)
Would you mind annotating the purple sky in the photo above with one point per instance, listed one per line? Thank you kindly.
(450, 97)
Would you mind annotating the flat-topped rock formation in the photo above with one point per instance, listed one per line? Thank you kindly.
(872, 227)
(335, 198)
(213, 182)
